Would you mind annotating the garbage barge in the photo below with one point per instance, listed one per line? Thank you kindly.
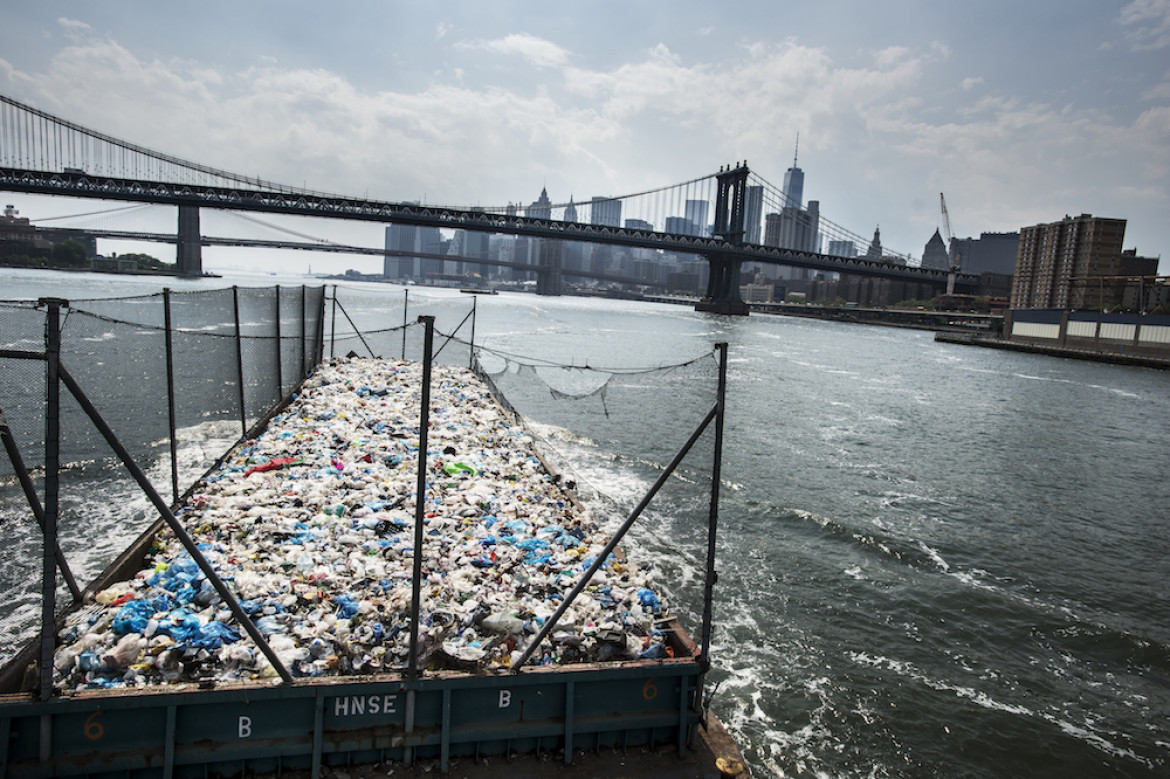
(376, 646)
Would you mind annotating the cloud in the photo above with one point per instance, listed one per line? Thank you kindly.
(441, 29)
(890, 55)
(1147, 24)
(658, 117)
(538, 51)
(1158, 91)
(73, 28)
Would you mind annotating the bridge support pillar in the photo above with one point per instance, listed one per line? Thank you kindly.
(189, 247)
(723, 288)
(730, 211)
(548, 277)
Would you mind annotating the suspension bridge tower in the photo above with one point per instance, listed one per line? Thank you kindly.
(723, 281)
(188, 246)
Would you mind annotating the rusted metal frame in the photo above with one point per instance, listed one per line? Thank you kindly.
(304, 331)
(713, 513)
(279, 363)
(169, 746)
(420, 498)
(471, 355)
(174, 524)
(34, 502)
(445, 731)
(53, 370)
(405, 308)
(171, 394)
(318, 731)
(583, 582)
(239, 360)
(319, 351)
(333, 323)
(354, 326)
(21, 354)
(569, 694)
(5, 737)
(458, 328)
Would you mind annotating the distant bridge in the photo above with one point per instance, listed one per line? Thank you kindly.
(43, 154)
(337, 248)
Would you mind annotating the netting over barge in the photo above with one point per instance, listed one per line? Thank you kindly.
(311, 524)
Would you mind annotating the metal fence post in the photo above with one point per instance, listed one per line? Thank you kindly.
(471, 348)
(713, 514)
(239, 360)
(171, 394)
(405, 306)
(304, 332)
(279, 366)
(319, 347)
(52, 492)
(420, 499)
(333, 323)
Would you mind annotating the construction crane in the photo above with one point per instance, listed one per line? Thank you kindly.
(946, 220)
(950, 239)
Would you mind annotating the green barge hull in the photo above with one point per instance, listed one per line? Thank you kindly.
(229, 730)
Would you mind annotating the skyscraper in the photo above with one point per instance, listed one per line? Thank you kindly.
(696, 214)
(541, 208)
(400, 238)
(795, 227)
(408, 238)
(794, 180)
(842, 249)
(605, 211)
(753, 214)
(874, 252)
(934, 254)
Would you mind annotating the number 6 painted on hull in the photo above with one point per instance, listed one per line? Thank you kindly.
(93, 730)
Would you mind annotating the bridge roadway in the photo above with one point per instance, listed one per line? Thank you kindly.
(295, 202)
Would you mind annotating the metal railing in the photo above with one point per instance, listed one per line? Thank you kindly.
(58, 373)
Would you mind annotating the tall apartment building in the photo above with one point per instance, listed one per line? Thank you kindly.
(1057, 263)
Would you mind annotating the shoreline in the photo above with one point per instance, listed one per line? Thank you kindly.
(1089, 355)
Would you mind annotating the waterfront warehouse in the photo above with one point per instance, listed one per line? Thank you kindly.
(311, 525)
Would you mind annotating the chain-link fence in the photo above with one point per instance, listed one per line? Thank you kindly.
(178, 377)
(181, 377)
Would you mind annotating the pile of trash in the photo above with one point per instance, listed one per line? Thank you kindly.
(311, 525)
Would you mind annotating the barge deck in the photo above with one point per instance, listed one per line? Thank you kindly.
(601, 718)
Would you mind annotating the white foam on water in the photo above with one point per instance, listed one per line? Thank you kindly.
(934, 555)
(1084, 732)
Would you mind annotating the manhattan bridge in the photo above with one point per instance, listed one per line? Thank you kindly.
(48, 155)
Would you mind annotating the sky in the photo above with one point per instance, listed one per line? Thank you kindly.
(1019, 111)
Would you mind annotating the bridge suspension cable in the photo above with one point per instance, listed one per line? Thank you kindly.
(103, 212)
(32, 140)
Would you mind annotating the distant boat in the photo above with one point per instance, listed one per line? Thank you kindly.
(478, 291)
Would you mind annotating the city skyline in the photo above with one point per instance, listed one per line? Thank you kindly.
(1032, 112)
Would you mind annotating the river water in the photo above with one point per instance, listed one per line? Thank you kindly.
(934, 560)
